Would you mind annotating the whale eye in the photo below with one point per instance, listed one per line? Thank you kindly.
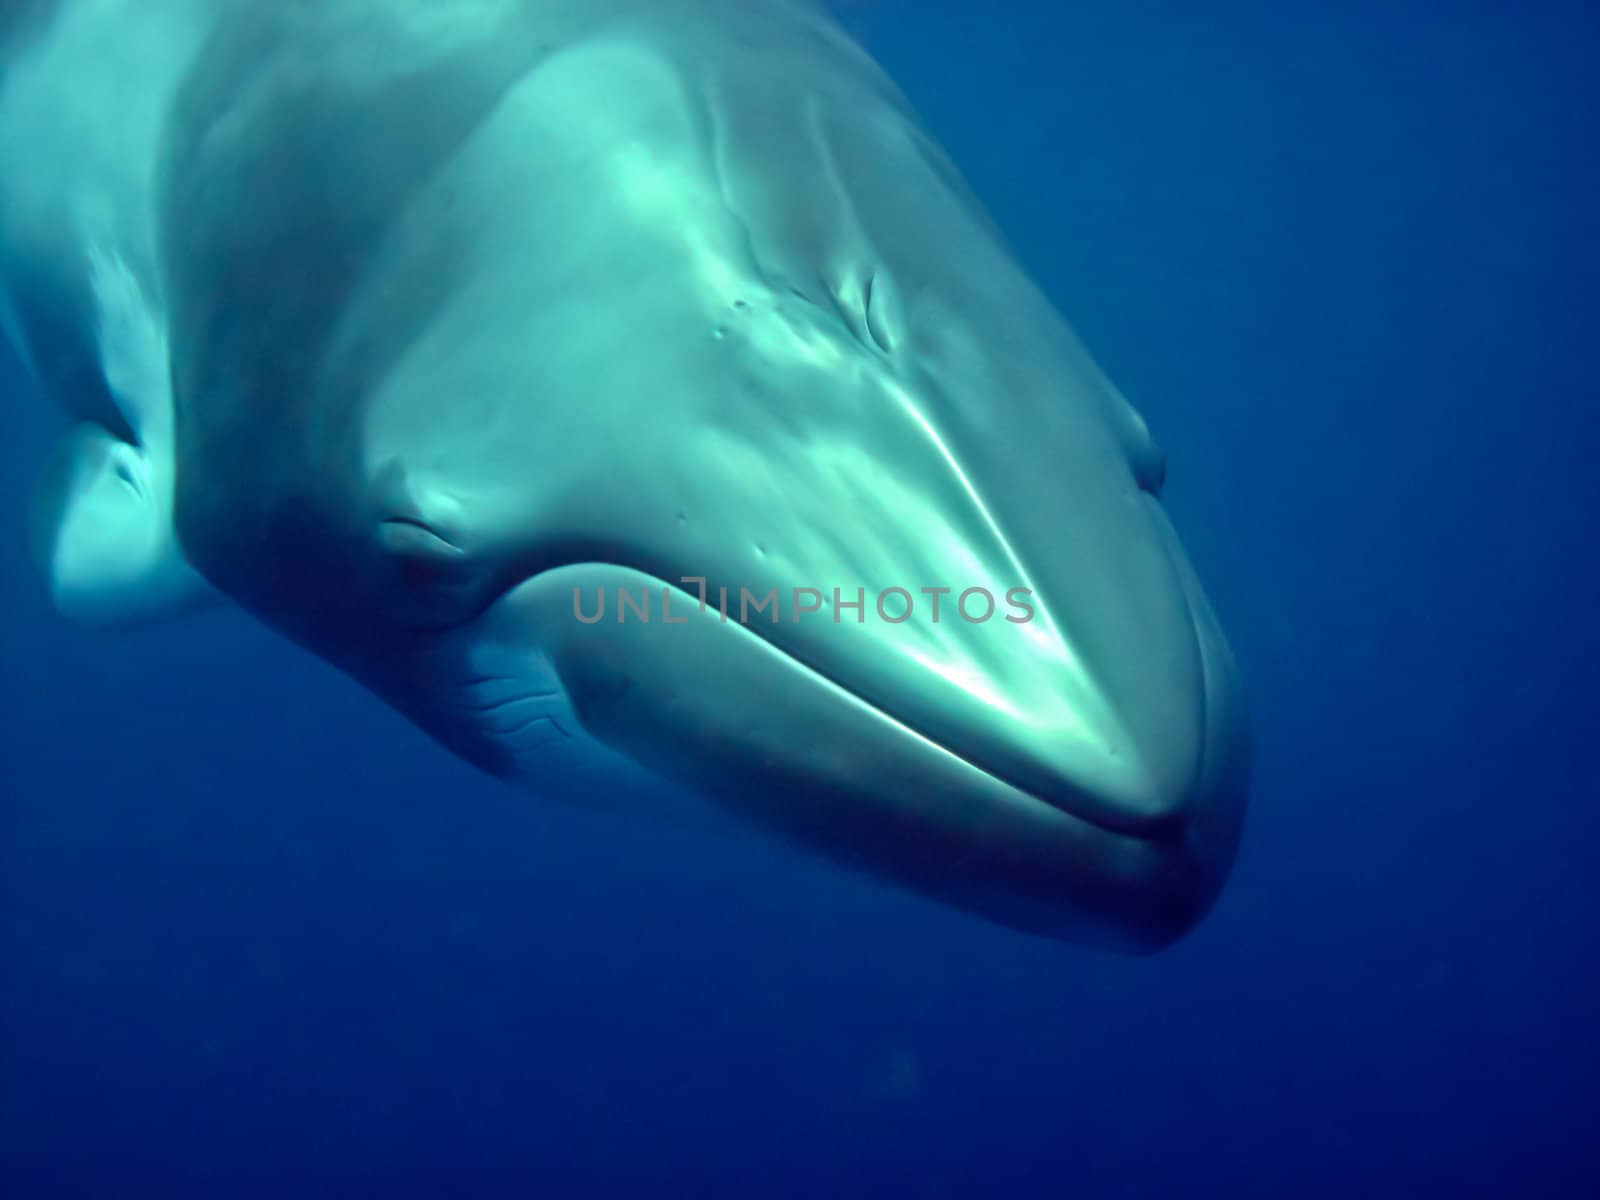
(407, 537)
(1158, 474)
(439, 581)
(1150, 470)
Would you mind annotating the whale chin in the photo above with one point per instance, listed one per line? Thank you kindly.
(774, 743)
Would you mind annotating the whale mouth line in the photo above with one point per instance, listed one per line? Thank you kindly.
(1143, 834)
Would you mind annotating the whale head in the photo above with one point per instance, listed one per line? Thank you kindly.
(660, 399)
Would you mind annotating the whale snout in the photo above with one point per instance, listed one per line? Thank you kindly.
(1117, 831)
(963, 653)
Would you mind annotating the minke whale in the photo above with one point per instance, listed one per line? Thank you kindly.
(626, 391)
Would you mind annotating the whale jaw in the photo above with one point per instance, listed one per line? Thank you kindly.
(772, 743)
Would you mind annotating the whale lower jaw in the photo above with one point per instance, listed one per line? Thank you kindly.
(616, 713)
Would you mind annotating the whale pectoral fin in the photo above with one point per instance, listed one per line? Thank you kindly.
(103, 535)
(103, 509)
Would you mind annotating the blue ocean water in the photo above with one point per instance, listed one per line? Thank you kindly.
(260, 937)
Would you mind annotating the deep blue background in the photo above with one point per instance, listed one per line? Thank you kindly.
(255, 929)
